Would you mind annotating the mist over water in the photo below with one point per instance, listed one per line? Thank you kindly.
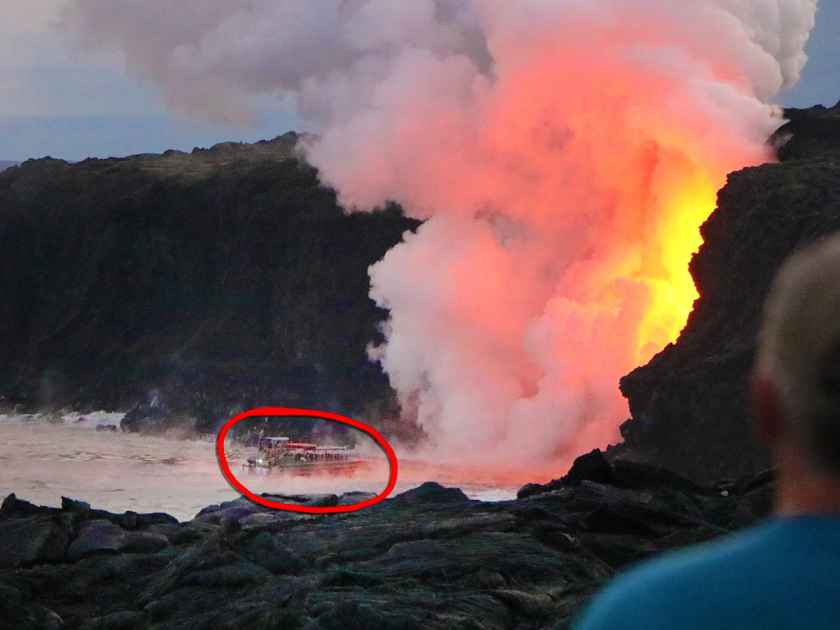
(42, 460)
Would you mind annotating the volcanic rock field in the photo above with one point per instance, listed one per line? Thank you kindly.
(427, 558)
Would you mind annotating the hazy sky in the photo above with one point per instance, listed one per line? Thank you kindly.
(61, 103)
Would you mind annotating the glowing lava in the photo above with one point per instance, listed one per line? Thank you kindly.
(563, 216)
(671, 287)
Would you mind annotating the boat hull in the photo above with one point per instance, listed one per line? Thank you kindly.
(309, 468)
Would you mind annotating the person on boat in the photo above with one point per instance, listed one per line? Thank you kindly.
(783, 572)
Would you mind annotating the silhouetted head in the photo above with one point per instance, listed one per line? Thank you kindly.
(796, 384)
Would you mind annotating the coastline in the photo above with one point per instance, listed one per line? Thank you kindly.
(429, 557)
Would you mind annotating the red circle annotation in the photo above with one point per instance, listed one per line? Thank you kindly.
(393, 464)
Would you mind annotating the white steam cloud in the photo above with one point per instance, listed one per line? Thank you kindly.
(564, 152)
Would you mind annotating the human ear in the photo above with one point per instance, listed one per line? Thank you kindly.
(767, 409)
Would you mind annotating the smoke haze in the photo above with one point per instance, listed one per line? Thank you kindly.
(563, 152)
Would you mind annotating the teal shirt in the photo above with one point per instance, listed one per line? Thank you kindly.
(782, 574)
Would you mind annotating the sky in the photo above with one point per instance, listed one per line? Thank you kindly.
(59, 102)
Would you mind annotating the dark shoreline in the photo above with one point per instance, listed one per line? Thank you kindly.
(427, 558)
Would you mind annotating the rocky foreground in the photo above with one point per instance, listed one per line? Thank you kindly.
(428, 558)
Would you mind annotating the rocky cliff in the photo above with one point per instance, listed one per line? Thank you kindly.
(192, 284)
(689, 405)
(429, 558)
(4, 164)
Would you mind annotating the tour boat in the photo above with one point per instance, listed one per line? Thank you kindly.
(283, 454)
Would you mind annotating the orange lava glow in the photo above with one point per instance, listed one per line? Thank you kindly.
(671, 288)
(564, 199)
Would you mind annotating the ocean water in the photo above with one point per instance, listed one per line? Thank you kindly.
(43, 458)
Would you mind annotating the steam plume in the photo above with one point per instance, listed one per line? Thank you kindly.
(564, 153)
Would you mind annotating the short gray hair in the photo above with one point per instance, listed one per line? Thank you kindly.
(799, 348)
